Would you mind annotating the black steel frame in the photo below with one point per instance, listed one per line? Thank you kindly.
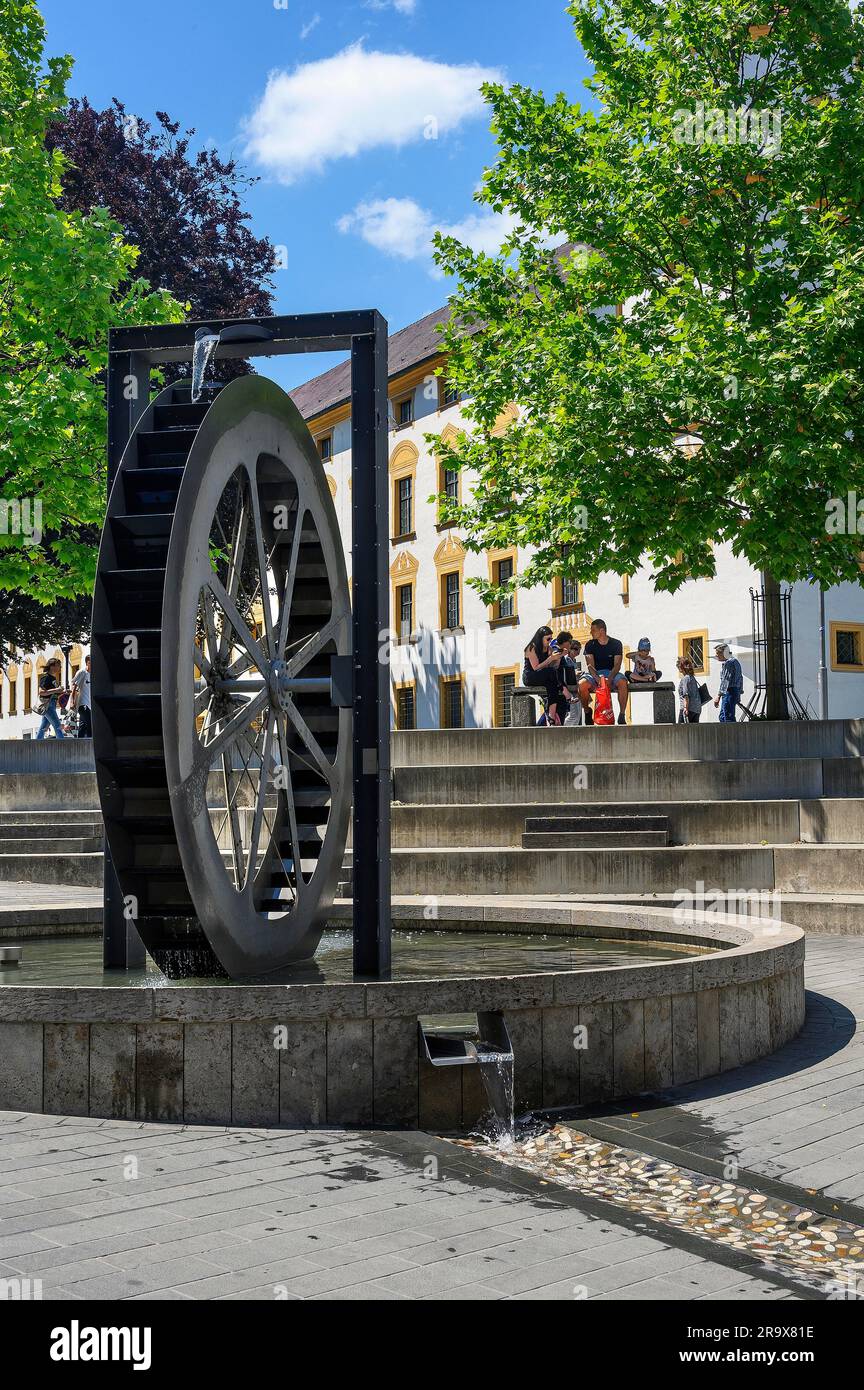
(756, 705)
(132, 352)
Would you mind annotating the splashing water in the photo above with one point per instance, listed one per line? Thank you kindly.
(205, 346)
(496, 1073)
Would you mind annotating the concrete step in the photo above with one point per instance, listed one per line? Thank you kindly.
(818, 820)
(839, 914)
(56, 826)
(598, 821)
(36, 791)
(51, 844)
(560, 780)
(593, 839)
(60, 757)
(84, 870)
(763, 740)
(749, 868)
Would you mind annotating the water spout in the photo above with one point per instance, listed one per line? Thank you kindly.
(205, 346)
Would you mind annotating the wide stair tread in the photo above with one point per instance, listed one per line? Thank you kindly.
(562, 824)
(597, 839)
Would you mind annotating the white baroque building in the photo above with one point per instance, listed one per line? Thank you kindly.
(454, 660)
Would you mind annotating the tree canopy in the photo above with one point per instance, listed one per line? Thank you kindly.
(65, 277)
(716, 194)
(181, 208)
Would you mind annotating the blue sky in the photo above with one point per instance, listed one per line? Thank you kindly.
(361, 118)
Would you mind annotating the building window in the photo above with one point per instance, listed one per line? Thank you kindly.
(405, 611)
(13, 695)
(694, 647)
(452, 704)
(502, 568)
(625, 589)
(447, 394)
(405, 505)
(451, 603)
(403, 472)
(503, 685)
(406, 706)
(449, 479)
(403, 411)
(503, 573)
(847, 646)
(325, 447)
(567, 593)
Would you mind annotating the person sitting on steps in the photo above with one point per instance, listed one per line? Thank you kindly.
(604, 655)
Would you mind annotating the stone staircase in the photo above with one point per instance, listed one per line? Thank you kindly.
(57, 846)
(637, 814)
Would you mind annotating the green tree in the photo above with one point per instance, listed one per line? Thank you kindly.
(64, 279)
(716, 192)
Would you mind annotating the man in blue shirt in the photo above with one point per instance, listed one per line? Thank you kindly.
(731, 683)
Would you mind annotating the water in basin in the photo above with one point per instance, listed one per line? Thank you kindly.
(417, 955)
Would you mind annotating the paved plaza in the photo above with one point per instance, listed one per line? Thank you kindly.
(114, 1210)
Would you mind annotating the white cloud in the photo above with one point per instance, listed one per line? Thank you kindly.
(400, 227)
(402, 6)
(340, 106)
(307, 28)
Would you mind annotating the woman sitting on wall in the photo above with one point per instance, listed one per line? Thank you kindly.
(541, 669)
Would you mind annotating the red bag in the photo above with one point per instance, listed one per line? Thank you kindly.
(603, 704)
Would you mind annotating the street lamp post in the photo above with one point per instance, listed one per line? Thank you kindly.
(822, 677)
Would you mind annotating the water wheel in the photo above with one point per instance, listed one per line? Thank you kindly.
(222, 764)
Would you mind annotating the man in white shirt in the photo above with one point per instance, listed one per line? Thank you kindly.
(81, 700)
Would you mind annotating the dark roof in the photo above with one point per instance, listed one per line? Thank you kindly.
(410, 346)
(407, 348)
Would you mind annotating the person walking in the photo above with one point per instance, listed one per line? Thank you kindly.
(49, 690)
(731, 683)
(688, 692)
(81, 700)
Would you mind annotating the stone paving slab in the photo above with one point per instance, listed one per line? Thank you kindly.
(795, 1118)
(341, 1215)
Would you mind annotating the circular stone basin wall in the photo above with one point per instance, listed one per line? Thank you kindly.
(351, 1054)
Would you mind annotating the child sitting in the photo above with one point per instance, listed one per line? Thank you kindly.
(644, 668)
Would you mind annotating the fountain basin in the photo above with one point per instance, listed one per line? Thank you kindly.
(350, 1052)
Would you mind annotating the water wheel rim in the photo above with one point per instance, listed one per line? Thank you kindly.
(253, 432)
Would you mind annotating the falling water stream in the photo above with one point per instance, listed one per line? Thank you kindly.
(205, 346)
(496, 1073)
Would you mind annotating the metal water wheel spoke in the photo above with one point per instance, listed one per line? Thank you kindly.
(311, 648)
(237, 622)
(258, 819)
(320, 759)
(263, 566)
(288, 585)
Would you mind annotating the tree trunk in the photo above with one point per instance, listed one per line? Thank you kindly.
(776, 705)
